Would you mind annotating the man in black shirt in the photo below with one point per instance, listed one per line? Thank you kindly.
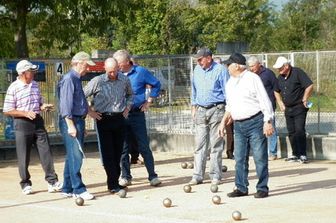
(293, 92)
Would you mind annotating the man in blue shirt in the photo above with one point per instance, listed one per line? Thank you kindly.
(136, 122)
(208, 107)
(270, 83)
(73, 108)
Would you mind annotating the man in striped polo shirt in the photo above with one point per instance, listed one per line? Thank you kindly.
(24, 103)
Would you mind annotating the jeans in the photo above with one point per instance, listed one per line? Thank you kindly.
(27, 133)
(250, 131)
(207, 137)
(272, 142)
(296, 123)
(136, 125)
(72, 182)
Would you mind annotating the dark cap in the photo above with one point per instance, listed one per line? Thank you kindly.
(203, 52)
(235, 58)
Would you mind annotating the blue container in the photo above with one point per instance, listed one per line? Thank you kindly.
(9, 128)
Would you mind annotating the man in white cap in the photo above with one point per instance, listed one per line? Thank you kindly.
(73, 108)
(24, 103)
(293, 92)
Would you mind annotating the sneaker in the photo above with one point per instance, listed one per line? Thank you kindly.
(303, 159)
(261, 194)
(85, 195)
(64, 194)
(27, 190)
(216, 182)
(272, 157)
(124, 182)
(155, 182)
(56, 187)
(237, 193)
(292, 159)
(194, 182)
(116, 190)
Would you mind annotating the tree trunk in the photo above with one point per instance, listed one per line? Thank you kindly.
(20, 36)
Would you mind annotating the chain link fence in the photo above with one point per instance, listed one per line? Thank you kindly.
(171, 111)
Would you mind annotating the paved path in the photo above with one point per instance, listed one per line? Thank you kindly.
(298, 193)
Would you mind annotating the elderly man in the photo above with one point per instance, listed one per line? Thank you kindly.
(73, 109)
(208, 106)
(112, 100)
(249, 107)
(270, 83)
(140, 77)
(293, 92)
(24, 102)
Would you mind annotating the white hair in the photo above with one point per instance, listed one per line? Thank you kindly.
(122, 55)
(253, 60)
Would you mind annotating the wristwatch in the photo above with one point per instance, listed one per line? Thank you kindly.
(269, 121)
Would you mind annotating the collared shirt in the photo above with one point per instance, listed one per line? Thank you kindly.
(270, 83)
(110, 95)
(72, 101)
(246, 96)
(140, 77)
(23, 97)
(208, 86)
(292, 88)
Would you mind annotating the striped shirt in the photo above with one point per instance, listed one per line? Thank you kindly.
(23, 97)
(110, 95)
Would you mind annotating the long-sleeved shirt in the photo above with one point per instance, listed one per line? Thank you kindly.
(140, 77)
(246, 96)
(72, 101)
(270, 83)
(208, 86)
(110, 95)
(23, 97)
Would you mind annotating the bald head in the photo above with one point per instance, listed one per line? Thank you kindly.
(111, 68)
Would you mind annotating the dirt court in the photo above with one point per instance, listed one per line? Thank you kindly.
(298, 193)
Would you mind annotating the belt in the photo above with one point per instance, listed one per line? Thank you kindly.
(253, 116)
(212, 105)
(111, 113)
(135, 110)
(79, 116)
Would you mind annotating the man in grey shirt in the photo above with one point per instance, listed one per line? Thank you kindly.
(112, 100)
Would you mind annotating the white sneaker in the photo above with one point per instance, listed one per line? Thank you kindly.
(216, 182)
(124, 182)
(63, 194)
(27, 190)
(56, 187)
(85, 195)
(155, 182)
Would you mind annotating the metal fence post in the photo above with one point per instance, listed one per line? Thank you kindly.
(318, 90)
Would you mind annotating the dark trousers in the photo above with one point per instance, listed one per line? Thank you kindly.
(229, 141)
(27, 133)
(111, 132)
(296, 122)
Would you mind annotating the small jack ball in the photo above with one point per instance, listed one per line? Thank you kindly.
(167, 202)
(79, 201)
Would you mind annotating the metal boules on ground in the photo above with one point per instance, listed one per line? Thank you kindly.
(184, 165)
(214, 188)
(190, 165)
(122, 193)
(216, 199)
(79, 201)
(187, 188)
(167, 202)
(236, 215)
(224, 168)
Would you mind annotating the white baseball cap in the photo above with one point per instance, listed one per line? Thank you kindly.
(25, 65)
(280, 62)
(82, 56)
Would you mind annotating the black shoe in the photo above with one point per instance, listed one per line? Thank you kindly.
(116, 190)
(261, 194)
(237, 193)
